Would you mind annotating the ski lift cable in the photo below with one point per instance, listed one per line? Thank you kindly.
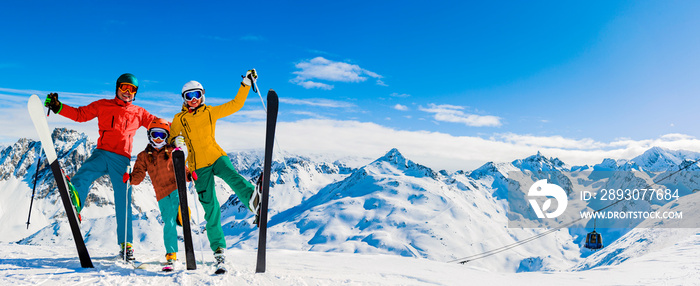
(512, 245)
(540, 235)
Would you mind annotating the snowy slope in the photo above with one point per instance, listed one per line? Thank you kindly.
(395, 206)
(42, 265)
(650, 236)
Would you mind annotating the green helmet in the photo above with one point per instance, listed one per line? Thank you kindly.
(128, 78)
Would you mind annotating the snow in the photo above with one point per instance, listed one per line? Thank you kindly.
(675, 264)
(388, 221)
(660, 159)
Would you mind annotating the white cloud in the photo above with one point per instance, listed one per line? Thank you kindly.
(342, 138)
(17, 124)
(17, 93)
(320, 68)
(396, 94)
(401, 107)
(312, 84)
(320, 52)
(434, 149)
(454, 114)
(549, 141)
(258, 114)
(320, 102)
(309, 114)
(338, 139)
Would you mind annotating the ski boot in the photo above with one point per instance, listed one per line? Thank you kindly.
(220, 261)
(75, 199)
(255, 200)
(129, 251)
(170, 259)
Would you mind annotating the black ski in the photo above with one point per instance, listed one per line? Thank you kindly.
(179, 165)
(36, 112)
(272, 107)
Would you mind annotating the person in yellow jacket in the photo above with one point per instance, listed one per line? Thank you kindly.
(194, 127)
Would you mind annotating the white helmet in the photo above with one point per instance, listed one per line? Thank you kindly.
(190, 86)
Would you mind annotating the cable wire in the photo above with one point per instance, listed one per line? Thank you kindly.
(485, 254)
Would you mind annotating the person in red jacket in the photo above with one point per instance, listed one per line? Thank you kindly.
(117, 119)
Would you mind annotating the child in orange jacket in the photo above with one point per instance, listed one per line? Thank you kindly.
(156, 160)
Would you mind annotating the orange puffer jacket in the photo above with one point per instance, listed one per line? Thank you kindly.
(159, 165)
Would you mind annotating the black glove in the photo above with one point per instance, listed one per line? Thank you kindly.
(53, 103)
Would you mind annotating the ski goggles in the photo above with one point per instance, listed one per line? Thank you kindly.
(156, 134)
(194, 94)
(127, 87)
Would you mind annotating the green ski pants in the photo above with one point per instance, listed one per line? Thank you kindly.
(168, 211)
(204, 184)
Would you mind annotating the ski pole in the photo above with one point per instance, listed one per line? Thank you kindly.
(196, 209)
(257, 90)
(36, 177)
(126, 208)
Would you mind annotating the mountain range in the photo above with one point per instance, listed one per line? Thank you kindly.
(390, 205)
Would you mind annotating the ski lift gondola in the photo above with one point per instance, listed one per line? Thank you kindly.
(594, 240)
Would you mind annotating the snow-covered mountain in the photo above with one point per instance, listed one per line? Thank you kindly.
(391, 205)
(660, 159)
(649, 236)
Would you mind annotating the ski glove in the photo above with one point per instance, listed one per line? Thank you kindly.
(53, 103)
(250, 77)
(179, 142)
(126, 177)
(192, 176)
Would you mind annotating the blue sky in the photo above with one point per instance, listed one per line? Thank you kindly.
(451, 84)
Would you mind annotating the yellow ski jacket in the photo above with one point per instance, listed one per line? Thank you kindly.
(199, 129)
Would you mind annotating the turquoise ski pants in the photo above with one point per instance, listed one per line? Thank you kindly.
(168, 211)
(102, 163)
(204, 184)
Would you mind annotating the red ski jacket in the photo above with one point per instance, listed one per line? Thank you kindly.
(116, 119)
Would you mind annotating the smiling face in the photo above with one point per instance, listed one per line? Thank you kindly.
(194, 102)
(126, 96)
(194, 98)
(127, 86)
